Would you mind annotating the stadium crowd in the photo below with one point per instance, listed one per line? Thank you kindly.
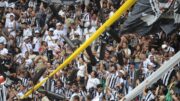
(34, 40)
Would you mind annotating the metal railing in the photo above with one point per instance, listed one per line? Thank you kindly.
(154, 77)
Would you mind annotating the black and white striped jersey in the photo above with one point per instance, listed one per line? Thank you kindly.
(59, 90)
(25, 81)
(50, 85)
(167, 76)
(150, 96)
(68, 93)
(112, 81)
(3, 93)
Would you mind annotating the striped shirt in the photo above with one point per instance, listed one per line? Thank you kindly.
(167, 76)
(83, 94)
(132, 75)
(60, 90)
(24, 81)
(68, 93)
(150, 96)
(97, 95)
(50, 85)
(63, 79)
(112, 81)
(2, 93)
(119, 80)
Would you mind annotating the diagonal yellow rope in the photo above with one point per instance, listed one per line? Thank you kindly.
(108, 23)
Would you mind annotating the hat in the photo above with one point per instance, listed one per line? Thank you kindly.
(61, 13)
(23, 22)
(51, 29)
(37, 31)
(163, 46)
(121, 71)
(12, 15)
(25, 38)
(58, 24)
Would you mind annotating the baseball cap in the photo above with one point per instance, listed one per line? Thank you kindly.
(163, 46)
(58, 24)
(51, 29)
(12, 15)
(25, 38)
(37, 31)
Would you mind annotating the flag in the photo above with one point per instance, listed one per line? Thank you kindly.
(38, 74)
(51, 94)
(177, 12)
(145, 16)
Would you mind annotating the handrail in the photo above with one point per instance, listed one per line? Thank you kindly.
(154, 77)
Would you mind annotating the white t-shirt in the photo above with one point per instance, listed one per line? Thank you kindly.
(81, 70)
(3, 3)
(51, 41)
(28, 62)
(2, 40)
(37, 43)
(10, 27)
(4, 51)
(26, 47)
(92, 82)
(27, 32)
(78, 31)
(7, 18)
(94, 23)
(58, 33)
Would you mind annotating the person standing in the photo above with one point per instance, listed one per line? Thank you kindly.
(11, 25)
(37, 42)
(26, 45)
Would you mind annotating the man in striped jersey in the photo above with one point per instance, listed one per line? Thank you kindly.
(68, 91)
(75, 91)
(167, 77)
(120, 82)
(111, 81)
(50, 85)
(148, 94)
(98, 93)
(2, 93)
(59, 89)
